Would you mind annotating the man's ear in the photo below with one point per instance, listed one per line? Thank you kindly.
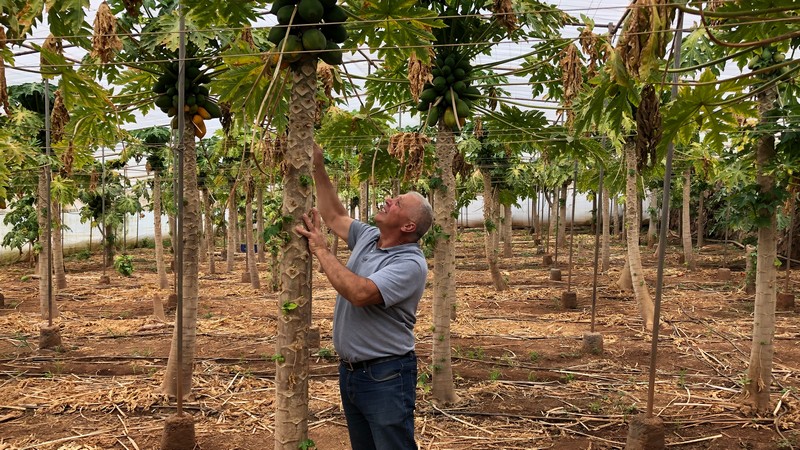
(409, 227)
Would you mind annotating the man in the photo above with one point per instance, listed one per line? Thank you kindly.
(375, 312)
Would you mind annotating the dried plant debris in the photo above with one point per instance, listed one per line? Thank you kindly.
(648, 126)
(504, 14)
(644, 39)
(419, 73)
(58, 118)
(571, 78)
(409, 150)
(105, 42)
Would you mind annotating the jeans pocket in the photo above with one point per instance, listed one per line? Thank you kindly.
(384, 372)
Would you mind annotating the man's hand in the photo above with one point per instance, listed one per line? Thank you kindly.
(313, 232)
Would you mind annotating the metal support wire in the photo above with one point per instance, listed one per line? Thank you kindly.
(662, 238)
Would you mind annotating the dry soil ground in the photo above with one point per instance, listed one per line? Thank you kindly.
(519, 371)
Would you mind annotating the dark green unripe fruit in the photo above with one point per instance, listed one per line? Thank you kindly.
(335, 14)
(433, 117)
(336, 32)
(440, 84)
(276, 33)
(313, 39)
(310, 11)
(328, 4)
(332, 54)
(285, 15)
(278, 4)
(428, 95)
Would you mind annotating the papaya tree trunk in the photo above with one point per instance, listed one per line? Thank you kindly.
(632, 225)
(292, 365)
(252, 265)
(262, 257)
(701, 220)
(59, 276)
(444, 256)
(161, 268)
(190, 223)
(46, 308)
(363, 201)
(209, 227)
(508, 227)
(233, 224)
(562, 217)
(491, 220)
(759, 373)
(686, 228)
(606, 238)
(652, 226)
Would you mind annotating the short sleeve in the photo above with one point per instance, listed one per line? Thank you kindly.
(399, 280)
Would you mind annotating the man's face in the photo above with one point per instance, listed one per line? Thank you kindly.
(395, 211)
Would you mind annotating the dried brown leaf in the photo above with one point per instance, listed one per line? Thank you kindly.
(105, 41)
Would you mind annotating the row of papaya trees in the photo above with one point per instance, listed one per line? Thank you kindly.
(277, 89)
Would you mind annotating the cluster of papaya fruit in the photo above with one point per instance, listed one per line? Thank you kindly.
(197, 102)
(449, 96)
(307, 28)
(769, 56)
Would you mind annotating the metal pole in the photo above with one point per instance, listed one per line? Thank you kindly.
(179, 218)
(597, 232)
(49, 229)
(662, 238)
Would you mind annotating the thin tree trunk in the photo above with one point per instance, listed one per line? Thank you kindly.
(262, 257)
(444, 256)
(759, 373)
(45, 308)
(640, 289)
(233, 225)
(562, 224)
(108, 244)
(606, 229)
(59, 276)
(190, 265)
(491, 220)
(507, 232)
(615, 217)
(252, 265)
(537, 232)
(652, 226)
(161, 268)
(209, 227)
(292, 368)
(701, 220)
(686, 228)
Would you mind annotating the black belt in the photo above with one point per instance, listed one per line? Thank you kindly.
(353, 366)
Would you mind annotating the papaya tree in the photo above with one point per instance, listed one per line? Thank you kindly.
(720, 105)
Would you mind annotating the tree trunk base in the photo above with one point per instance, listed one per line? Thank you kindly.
(723, 274)
(245, 277)
(178, 433)
(172, 301)
(569, 299)
(555, 274)
(750, 288)
(49, 337)
(784, 302)
(104, 279)
(158, 309)
(2, 301)
(645, 433)
(593, 343)
(547, 260)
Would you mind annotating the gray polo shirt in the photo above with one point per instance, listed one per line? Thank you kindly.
(375, 331)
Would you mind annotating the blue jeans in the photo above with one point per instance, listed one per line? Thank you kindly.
(379, 401)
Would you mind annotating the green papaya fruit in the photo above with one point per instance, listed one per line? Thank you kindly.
(311, 11)
(313, 39)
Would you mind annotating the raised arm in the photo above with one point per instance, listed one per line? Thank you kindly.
(330, 207)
